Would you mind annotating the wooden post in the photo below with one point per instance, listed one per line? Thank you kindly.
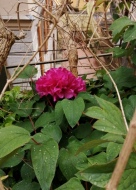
(40, 40)
(124, 156)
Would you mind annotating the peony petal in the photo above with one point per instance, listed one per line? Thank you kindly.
(59, 83)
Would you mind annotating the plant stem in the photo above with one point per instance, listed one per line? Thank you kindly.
(32, 124)
(116, 88)
(35, 141)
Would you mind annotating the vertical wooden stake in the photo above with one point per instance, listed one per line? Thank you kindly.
(124, 155)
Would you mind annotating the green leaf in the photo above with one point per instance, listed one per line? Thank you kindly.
(72, 184)
(98, 175)
(87, 96)
(123, 77)
(73, 144)
(28, 72)
(119, 26)
(11, 138)
(129, 106)
(89, 145)
(40, 138)
(2, 173)
(38, 109)
(12, 160)
(118, 52)
(52, 131)
(27, 172)
(59, 113)
(98, 159)
(22, 109)
(25, 185)
(100, 73)
(26, 124)
(44, 160)
(113, 150)
(96, 112)
(82, 131)
(113, 138)
(128, 181)
(73, 110)
(130, 34)
(96, 188)
(110, 117)
(68, 162)
(45, 119)
(133, 57)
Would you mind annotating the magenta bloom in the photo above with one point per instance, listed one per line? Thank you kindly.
(59, 83)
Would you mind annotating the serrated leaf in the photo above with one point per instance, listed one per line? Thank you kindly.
(110, 117)
(87, 96)
(44, 160)
(123, 77)
(96, 112)
(98, 175)
(28, 72)
(72, 184)
(11, 138)
(73, 110)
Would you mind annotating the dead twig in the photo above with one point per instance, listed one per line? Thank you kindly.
(15, 75)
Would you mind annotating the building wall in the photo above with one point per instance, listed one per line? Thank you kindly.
(23, 49)
(9, 7)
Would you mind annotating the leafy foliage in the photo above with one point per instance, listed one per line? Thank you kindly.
(69, 143)
(72, 143)
(123, 30)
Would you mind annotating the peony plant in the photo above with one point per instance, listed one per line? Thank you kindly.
(68, 141)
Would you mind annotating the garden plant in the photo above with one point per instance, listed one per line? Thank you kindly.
(67, 132)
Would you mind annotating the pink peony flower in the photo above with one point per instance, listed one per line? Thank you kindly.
(59, 83)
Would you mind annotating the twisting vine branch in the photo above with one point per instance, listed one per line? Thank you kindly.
(116, 88)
